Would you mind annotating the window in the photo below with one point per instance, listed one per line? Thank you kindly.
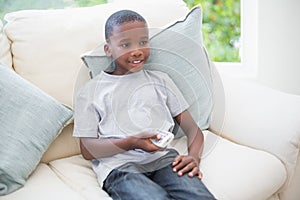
(221, 28)
(244, 40)
(248, 42)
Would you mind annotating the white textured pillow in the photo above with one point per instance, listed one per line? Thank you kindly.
(47, 44)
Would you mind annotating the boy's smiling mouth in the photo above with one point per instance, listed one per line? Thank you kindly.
(136, 62)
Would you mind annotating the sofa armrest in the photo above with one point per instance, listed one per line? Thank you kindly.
(261, 118)
(293, 192)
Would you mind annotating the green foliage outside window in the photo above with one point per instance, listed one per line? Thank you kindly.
(82, 3)
(14, 5)
(221, 28)
(221, 21)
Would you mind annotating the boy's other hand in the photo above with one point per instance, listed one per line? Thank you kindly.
(187, 164)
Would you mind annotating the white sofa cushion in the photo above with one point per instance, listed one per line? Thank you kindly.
(43, 184)
(78, 174)
(262, 118)
(5, 55)
(47, 44)
(235, 172)
(231, 171)
(63, 146)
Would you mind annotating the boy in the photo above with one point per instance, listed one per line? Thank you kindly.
(118, 114)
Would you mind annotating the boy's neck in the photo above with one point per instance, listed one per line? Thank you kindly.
(123, 73)
(116, 73)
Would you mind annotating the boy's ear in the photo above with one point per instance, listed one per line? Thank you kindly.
(107, 50)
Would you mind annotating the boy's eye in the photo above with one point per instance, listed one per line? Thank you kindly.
(143, 43)
(125, 45)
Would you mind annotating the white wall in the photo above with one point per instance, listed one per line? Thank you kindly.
(279, 44)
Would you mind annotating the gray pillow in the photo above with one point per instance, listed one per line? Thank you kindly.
(177, 50)
(29, 121)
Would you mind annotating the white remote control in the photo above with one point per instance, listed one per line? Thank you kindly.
(165, 139)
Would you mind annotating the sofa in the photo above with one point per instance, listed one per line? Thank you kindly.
(251, 149)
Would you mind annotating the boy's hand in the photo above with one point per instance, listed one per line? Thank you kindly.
(143, 141)
(187, 164)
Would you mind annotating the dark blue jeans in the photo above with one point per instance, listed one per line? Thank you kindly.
(160, 184)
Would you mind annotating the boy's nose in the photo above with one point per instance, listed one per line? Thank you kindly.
(136, 53)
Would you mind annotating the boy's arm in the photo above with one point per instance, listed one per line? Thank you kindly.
(96, 148)
(190, 163)
(104, 147)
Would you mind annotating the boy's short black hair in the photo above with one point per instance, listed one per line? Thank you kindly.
(120, 17)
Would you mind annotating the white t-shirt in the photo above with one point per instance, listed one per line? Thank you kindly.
(111, 106)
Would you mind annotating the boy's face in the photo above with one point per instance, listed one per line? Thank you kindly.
(129, 47)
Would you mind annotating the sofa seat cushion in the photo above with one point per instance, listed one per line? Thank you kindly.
(226, 165)
(43, 184)
(234, 171)
(231, 171)
(78, 174)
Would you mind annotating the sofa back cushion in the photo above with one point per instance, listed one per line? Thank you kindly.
(63, 146)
